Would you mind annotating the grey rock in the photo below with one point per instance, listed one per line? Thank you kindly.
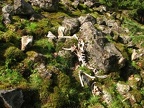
(12, 98)
(48, 5)
(87, 18)
(107, 97)
(75, 3)
(89, 3)
(7, 12)
(110, 23)
(21, 7)
(72, 26)
(122, 88)
(101, 53)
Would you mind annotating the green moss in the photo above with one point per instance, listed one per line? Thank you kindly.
(86, 70)
(63, 81)
(58, 99)
(14, 53)
(123, 50)
(137, 95)
(10, 36)
(44, 46)
(94, 14)
(93, 101)
(11, 77)
(2, 27)
(35, 81)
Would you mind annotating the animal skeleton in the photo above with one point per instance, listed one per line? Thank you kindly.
(79, 50)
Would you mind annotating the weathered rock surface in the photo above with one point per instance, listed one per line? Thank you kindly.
(41, 68)
(122, 88)
(72, 25)
(86, 18)
(12, 98)
(48, 5)
(21, 7)
(7, 12)
(101, 53)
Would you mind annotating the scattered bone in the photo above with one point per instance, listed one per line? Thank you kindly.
(134, 54)
(61, 30)
(79, 50)
(81, 45)
(96, 72)
(72, 48)
(69, 37)
(84, 78)
(81, 79)
(51, 35)
(25, 40)
(81, 58)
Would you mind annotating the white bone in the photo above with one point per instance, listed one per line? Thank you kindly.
(51, 35)
(61, 30)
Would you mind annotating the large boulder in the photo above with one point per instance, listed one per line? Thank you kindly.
(21, 7)
(12, 98)
(48, 5)
(100, 52)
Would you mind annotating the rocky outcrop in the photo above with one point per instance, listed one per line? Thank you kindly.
(12, 98)
(101, 53)
(48, 5)
(21, 7)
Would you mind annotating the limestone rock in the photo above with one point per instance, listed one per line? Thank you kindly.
(7, 12)
(71, 24)
(101, 9)
(137, 54)
(89, 3)
(21, 7)
(48, 5)
(134, 81)
(87, 18)
(101, 53)
(122, 88)
(107, 97)
(12, 98)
